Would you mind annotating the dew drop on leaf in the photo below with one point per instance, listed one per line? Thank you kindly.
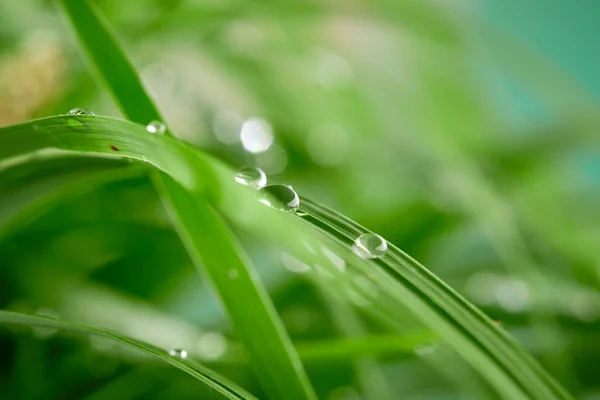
(253, 177)
(80, 111)
(178, 353)
(156, 127)
(279, 197)
(369, 245)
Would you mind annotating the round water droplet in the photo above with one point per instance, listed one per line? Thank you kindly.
(253, 177)
(156, 127)
(178, 353)
(370, 245)
(80, 111)
(279, 197)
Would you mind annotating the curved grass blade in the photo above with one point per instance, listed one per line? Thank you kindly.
(215, 381)
(277, 363)
(511, 371)
(499, 358)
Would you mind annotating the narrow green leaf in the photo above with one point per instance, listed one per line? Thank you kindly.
(217, 382)
(108, 60)
(274, 358)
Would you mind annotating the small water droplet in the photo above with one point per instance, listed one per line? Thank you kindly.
(178, 353)
(279, 197)
(156, 127)
(80, 111)
(233, 273)
(253, 177)
(369, 245)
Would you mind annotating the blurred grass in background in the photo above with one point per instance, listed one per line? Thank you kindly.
(464, 133)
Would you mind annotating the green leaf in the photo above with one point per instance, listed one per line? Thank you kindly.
(215, 381)
(250, 309)
(405, 283)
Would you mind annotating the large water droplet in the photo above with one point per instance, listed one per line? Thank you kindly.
(156, 127)
(80, 111)
(178, 353)
(279, 197)
(256, 135)
(253, 177)
(370, 245)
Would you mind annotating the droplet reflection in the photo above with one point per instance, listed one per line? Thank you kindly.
(369, 245)
(178, 353)
(279, 197)
(156, 127)
(80, 111)
(253, 177)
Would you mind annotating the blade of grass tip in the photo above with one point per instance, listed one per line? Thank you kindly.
(215, 381)
(276, 361)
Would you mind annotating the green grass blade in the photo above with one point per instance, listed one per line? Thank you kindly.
(109, 61)
(257, 322)
(497, 357)
(277, 364)
(217, 382)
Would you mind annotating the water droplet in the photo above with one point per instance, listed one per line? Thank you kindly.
(256, 135)
(369, 245)
(178, 353)
(233, 273)
(253, 177)
(156, 127)
(80, 111)
(279, 197)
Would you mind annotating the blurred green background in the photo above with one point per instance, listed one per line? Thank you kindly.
(466, 133)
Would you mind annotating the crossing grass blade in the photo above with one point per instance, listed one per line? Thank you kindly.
(407, 284)
(274, 358)
(215, 381)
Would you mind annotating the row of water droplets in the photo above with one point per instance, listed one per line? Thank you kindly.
(155, 127)
(280, 197)
(284, 198)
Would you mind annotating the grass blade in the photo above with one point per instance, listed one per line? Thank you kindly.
(217, 382)
(277, 363)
